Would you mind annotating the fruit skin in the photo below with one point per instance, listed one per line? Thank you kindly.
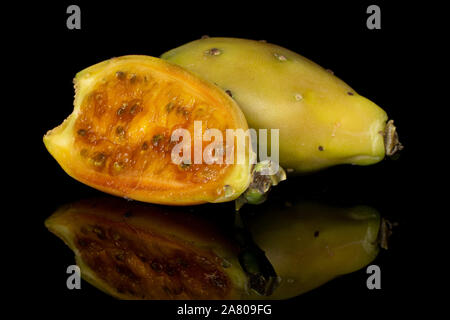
(309, 244)
(169, 230)
(60, 141)
(322, 121)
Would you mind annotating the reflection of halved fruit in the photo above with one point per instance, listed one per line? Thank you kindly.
(118, 138)
(135, 251)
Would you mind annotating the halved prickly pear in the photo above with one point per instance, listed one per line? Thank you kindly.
(137, 251)
(321, 120)
(309, 244)
(119, 137)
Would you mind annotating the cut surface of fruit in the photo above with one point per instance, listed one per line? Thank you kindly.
(149, 252)
(119, 138)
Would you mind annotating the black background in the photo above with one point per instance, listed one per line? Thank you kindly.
(378, 64)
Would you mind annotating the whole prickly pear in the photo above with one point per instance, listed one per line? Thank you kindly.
(321, 120)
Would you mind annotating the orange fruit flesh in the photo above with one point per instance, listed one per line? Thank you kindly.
(141, 265)
(118, 139)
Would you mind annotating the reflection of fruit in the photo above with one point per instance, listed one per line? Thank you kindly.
(133, 251)
(118, 138)
(322, 121)
(310, 244)
(138, 251)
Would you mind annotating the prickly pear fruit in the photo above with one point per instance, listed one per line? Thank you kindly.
(136, 251)
(322, 121)
(118, 137)
(309, 244)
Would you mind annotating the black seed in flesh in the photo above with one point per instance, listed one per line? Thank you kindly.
(134, 108)
(156, 139)
(127, 214)
(170, 106)
(99, 232)
(185, 165)
(156, 266)
(122, 109)
(120, 131)
(120, 257)
(84, 152)
(120, 75)
(99, 159)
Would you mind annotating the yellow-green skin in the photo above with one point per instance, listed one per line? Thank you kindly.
(310, 244)
(322, 121)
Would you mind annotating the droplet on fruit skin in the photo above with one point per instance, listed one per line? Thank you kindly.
(335, 127)
(228, 190)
